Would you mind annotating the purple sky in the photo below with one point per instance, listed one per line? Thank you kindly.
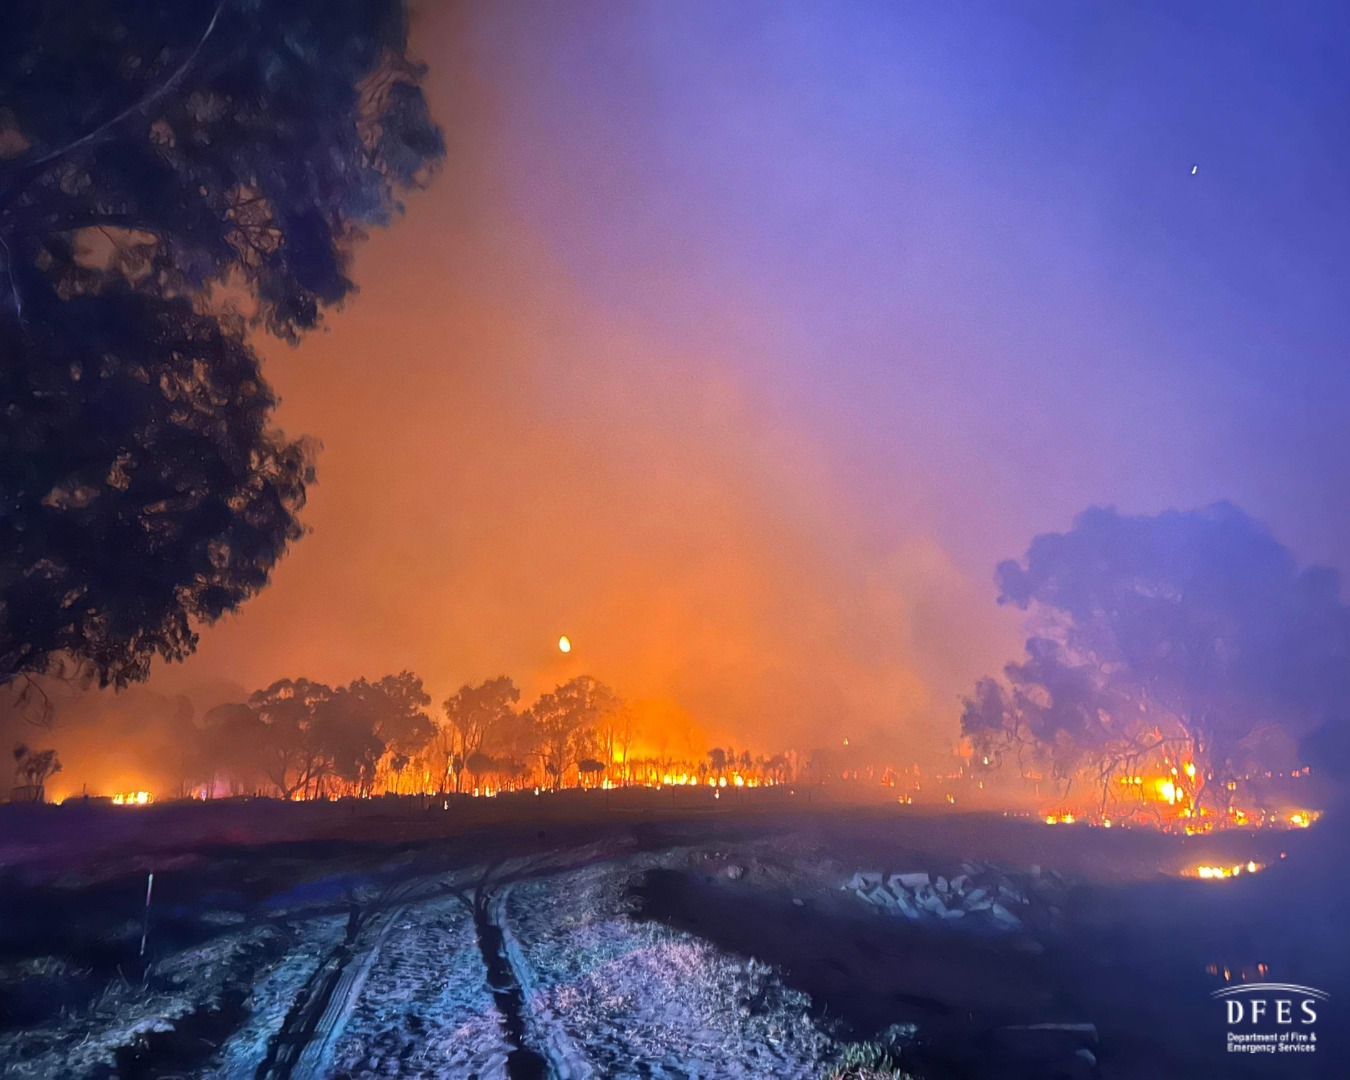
(969, 234)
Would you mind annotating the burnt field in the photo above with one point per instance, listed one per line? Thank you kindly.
(646, 933)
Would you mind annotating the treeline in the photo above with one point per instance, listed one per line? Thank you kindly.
(301, 739)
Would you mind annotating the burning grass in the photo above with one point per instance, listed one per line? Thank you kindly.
(1211, 873)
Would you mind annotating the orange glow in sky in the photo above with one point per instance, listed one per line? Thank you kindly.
(507, 447)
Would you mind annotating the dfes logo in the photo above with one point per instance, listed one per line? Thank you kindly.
(1271, 1018)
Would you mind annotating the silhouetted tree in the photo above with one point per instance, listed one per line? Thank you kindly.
(478, 763)
(1185, 632)
(142, 491)
(396, 706)
(311, 739)
(341, 740)
(475, 713)
(397, 763)
(614, 725)
(625, 730)
(34, 768)
(372, 719)
(215, 141)
(298, 751)
(717, 760)
(159, 158)
(564, 721)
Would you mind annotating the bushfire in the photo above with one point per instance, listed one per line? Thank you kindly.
(1178, 796)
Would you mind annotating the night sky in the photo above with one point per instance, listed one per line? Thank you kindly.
(739, 342)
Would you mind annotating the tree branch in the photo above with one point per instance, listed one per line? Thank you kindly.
(13, 280)
(139, 106)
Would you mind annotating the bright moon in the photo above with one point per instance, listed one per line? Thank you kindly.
(564, 644)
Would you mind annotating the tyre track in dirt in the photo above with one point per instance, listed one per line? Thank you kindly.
(503, 978)
(302, 1048)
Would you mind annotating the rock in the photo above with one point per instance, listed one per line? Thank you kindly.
(1006, 917)
(881, 898)
(797, 901)
(933, 902)
(734, 872)
(910, 880)
(864, 880)
(953, 913)
(960, 882)
(975, 896)
(941, 884)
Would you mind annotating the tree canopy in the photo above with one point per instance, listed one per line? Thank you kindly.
(475, 714)
(304, 735)
(143, 488)
(1192, 629)
(565, 722)
(173, 172)
(213, 142)
(306, 739)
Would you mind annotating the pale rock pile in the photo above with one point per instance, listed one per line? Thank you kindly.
(997, 899)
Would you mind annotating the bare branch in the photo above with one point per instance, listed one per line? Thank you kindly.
(13, 282)
(139, 106)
